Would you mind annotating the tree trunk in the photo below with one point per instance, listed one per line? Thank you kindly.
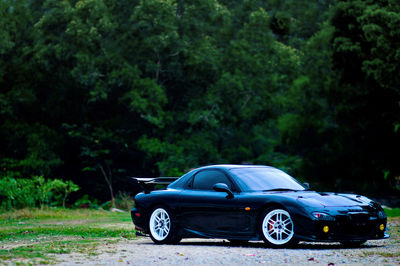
(108, 179)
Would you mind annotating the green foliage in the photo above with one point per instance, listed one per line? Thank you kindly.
(395, 212)
(23, 193)
(18, 193)
(95, 91)
(123, 201)
(66, 188)
(86, 202)
(367, 102)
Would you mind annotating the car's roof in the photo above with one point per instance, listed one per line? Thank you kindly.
(225, 167)
(233, 166)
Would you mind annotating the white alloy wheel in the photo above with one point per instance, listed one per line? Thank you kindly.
(277, 227)
(160, 224)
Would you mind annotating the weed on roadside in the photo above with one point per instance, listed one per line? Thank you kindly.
(382, 254)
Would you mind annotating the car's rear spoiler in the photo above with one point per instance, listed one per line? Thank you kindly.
(148, 183)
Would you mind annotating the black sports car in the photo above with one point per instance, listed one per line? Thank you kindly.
(243, 202)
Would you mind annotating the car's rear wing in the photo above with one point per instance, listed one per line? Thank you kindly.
(150, 183)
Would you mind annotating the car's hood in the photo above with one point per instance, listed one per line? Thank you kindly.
(330, 199)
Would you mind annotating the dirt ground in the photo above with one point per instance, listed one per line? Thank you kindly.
(142, 251)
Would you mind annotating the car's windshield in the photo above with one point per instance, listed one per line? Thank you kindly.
(265, 179)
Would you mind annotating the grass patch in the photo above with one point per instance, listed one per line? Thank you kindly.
(395, 212)
(60, 214)
(382, 254)
(15, 233)
(34, 236)
(43, 250)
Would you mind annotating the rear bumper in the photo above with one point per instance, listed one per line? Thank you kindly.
(138, 220)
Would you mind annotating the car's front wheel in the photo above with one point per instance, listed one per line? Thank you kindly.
(162, 227)
(277, 228)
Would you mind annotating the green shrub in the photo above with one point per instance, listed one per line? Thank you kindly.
(35, 192)
(395, 212)
(124, 201)
(63, 189)
(106, 205)
(86, 202)
(17, 193)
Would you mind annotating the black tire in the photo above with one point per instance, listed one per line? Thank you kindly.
(175, 240)
(276, 228)
(162, 227)
(353, 243)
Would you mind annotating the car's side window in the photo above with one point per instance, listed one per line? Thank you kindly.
(205, 180)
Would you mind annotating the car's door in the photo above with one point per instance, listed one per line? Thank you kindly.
(206, 211)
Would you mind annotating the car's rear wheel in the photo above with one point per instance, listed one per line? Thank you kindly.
(277, 228)
(162, 227)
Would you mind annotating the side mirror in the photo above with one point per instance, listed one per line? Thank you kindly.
(306, 185)
(222, 187)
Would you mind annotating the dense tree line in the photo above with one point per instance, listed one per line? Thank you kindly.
(94, 91)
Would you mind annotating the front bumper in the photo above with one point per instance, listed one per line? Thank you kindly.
(345, 228)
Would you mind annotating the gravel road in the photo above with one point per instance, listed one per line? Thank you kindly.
(219, 252)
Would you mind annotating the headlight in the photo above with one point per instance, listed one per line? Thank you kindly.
(374, 204)
(321, 216)
(381, 214)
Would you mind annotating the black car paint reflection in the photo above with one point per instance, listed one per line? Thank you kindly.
(242, 203)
